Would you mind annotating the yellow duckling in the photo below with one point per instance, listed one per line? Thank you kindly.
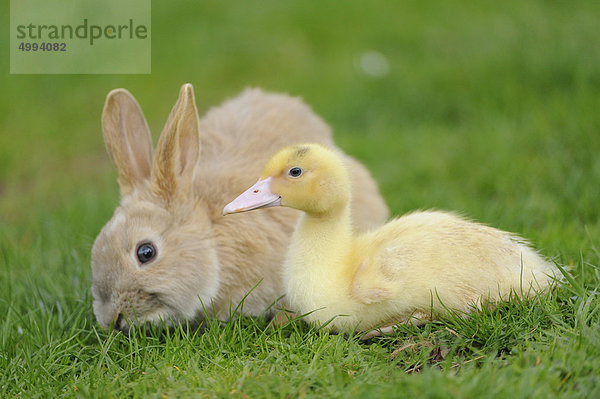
(410, 269)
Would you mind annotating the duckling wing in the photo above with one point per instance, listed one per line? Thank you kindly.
(366, 288)
(380, 267)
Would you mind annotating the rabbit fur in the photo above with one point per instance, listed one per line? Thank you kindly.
(204, 264)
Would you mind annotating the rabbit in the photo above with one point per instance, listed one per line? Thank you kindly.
(167, 255)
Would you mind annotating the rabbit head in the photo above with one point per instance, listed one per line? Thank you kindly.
(144, 262)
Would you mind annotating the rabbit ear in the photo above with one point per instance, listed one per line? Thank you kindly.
(178, 148)
(127, 139)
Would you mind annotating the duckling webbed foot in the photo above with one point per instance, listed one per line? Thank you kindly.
(417, 319)
(378, 332)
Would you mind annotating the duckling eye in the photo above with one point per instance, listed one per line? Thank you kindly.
(295, 172)
(146, 252)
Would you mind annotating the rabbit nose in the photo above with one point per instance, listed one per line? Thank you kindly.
(117, 324)
(121, 325)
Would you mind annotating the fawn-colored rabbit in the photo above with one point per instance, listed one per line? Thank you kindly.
(167, 253)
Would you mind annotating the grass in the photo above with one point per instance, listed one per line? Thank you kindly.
(488, 108)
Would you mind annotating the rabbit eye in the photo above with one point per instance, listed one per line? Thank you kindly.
(146, 252)
(295, 172)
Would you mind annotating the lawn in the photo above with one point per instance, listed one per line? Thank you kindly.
(491, 109)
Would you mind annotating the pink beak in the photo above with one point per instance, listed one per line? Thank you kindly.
(257, 196)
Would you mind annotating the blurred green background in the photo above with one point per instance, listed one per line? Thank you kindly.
(487, 108)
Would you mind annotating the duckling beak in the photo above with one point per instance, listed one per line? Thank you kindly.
(257, 196)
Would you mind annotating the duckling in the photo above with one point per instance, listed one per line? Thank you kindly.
(411, 269)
